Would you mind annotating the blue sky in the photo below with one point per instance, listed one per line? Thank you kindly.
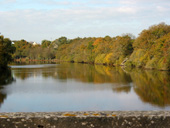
(35, 20)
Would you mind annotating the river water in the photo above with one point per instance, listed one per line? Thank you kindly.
(82, 87)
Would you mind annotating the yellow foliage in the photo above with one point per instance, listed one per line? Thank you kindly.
(68, 114)
(113, 115)
(96, 114)
(86, 114)
(108, 59)
(100, 59)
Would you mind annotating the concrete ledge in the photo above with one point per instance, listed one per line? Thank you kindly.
(113, 119)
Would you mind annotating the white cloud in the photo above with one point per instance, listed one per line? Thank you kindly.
(53, 2)
(128, 2)
(127, 10)
(54, 23)
(7, 1)
(90, 18)
(163, 9)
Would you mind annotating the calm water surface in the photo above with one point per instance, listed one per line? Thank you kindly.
(82, 87)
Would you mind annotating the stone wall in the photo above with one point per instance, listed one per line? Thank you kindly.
(114, 119)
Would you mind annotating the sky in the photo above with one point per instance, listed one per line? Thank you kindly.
(36, 20)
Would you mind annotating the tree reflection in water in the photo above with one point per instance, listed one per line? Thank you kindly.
(151, 86)
(5, 78)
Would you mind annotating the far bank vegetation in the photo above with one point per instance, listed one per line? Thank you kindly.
(151, 49)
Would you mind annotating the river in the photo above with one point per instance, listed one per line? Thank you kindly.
(82, 87)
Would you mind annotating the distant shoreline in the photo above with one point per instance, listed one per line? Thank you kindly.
(23, 60)
(33, 60)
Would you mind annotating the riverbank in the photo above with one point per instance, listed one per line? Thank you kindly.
(24, 60)
(34, 60)
(116, 119)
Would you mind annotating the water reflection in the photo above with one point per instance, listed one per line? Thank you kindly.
(152, 86)
(82, 72)
(132, 89)
(5, 78)
(86, 73)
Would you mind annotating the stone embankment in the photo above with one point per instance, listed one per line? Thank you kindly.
(114, 119)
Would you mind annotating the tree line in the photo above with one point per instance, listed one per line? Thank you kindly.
(151, 49)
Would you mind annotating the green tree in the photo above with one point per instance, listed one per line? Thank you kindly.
(6, 51)
(45, 43)
(62, 40)
(21, 47)
(90, 47)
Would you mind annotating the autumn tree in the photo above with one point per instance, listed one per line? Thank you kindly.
(151, 48)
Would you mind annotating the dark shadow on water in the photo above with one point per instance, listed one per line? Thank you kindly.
(5, 79)
(5, 76)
